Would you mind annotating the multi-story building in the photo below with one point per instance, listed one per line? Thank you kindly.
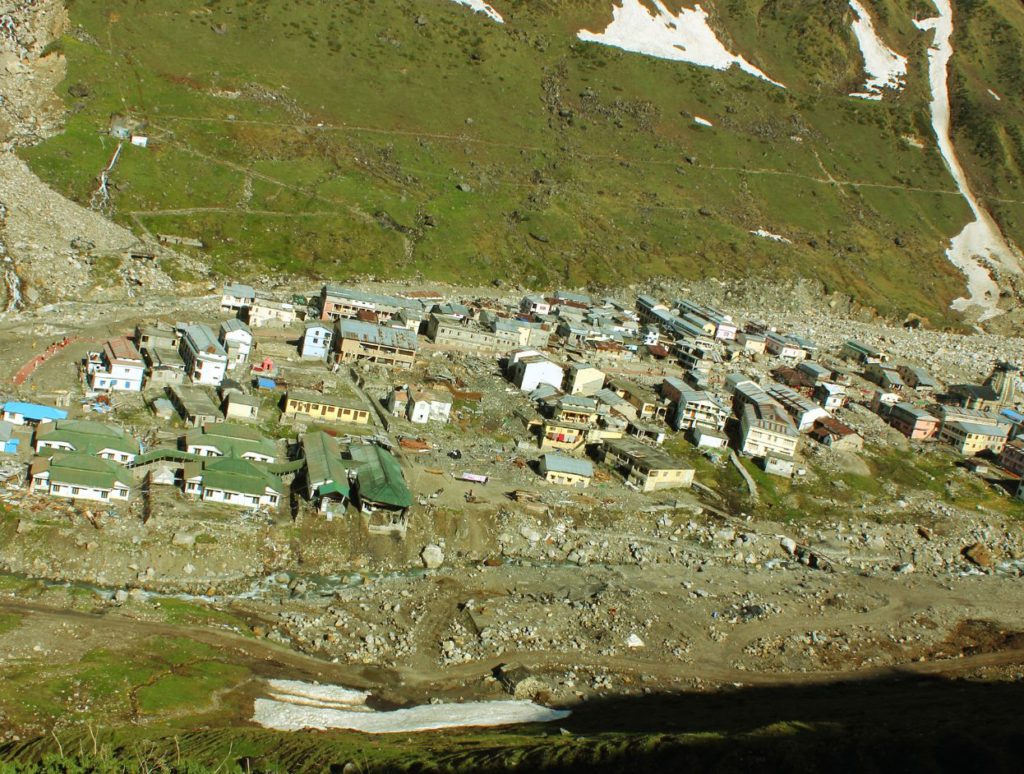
(1012, 457)
(117, 367)
(206, 360)
(316, 340)
(803, 410)
(269, 311)
(766, 429)
(237, 297)
(648, 468)
(915, 423)
(583, 379)
(340, 303)
(236, 338)
(358, 340)
(697, 408)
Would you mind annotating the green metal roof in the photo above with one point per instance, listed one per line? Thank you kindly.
(89, 437)
(78, 469)
(234, 475)
(379, 477)
(324, 464)
(232, 440)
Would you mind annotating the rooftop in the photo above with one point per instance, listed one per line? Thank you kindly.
(400, 338)
(559, 463)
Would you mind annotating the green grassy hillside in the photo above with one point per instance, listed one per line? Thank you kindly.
(416, 138)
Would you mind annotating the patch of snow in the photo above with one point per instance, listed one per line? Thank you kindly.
(285, 716)
(980, 241)
(702, 121)
(329, 693)
(481, 7)
(769, 235)
(995, 96)
(682, 37)
(885, 68)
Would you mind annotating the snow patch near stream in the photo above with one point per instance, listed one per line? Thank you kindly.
(980, 241)
(885, 68)
(296, 705)
(481, 7)
(682, 37)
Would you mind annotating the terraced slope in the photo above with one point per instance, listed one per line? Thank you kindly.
(420, 138)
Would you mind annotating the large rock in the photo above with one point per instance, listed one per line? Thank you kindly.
(432, 556)
(979, 554)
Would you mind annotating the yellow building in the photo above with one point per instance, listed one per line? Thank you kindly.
(648, 468)
(326, 408)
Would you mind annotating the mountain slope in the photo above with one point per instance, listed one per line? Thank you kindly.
(421, 138)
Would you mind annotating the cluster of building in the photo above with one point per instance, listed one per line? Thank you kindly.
(563, 350)
(226, 463)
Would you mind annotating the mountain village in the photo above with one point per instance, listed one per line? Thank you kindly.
(334, 401)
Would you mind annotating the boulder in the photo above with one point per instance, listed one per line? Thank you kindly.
(978, 554)
(432, 556)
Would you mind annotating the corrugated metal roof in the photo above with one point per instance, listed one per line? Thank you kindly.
(559, 463)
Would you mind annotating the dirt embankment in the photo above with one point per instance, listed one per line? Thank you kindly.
(51, 245)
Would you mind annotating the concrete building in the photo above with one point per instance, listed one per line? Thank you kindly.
(915, 423)
(358, 340)
(425, 406)
(1012, 457)
(194, 405)
(583, 379)
(226, 439)
(232, 481)
(236, 338)
(237, 297)
(804, 411)
(117, 367)
(649, 469)
(266, 311)
(79, 476)
(970, 438)
(341, 406)
(206, 360)
(566, 471)
(528, 372)
(697, 408)
(97, 439)
(765, 428)
(316, 340)
(241, 407)
(340, 303)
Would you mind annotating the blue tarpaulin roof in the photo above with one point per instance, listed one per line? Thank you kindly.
(34, 411)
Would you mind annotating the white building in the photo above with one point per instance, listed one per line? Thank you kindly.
(528, 372)
(427, 406)
(79, 476)
(316, 340)
(269, 311)
(236, 338)
(205, 358)
(232, 481)
(237, 297)
(118, 367)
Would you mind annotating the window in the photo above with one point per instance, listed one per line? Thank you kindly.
(75, 490)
